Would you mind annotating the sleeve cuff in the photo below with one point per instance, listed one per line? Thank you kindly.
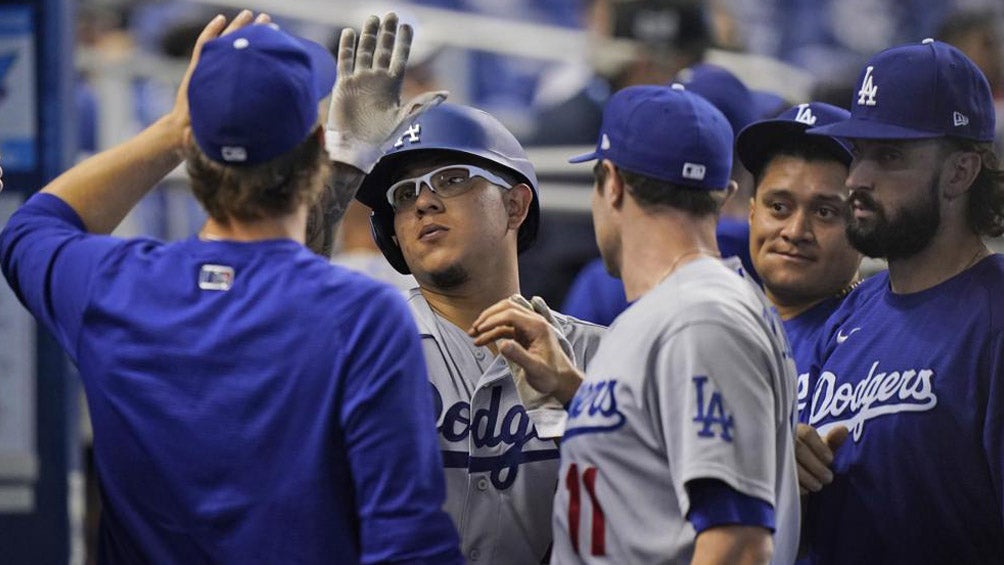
(715, 503)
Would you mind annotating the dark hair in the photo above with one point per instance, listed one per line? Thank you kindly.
(655, 193)
(985, 212)
(267, 190)
(806, 147)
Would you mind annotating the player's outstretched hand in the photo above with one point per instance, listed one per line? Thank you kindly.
(529, 340)
(815, 455)
(216, 27)
(366, 99)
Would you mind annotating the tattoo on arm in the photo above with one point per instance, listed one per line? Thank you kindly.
(330, 208)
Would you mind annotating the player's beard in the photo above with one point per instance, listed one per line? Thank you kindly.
(450, 277)
(904, 235)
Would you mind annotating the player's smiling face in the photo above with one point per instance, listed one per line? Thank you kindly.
(446, 240)
(894, 196)
(797, 230)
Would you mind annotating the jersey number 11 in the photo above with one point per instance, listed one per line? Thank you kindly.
(598, 538)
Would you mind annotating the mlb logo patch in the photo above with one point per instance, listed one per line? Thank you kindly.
(694, 171)
(216, 277)
(233, 154)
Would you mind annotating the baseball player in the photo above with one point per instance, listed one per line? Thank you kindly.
(454, 200)
(598, 297)
(679, 441)
(797, 222)
(238, 384)
(911, 363)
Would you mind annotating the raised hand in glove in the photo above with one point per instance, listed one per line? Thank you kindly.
(365, 101)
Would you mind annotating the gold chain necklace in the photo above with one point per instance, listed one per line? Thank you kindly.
(847, 289)
(980, 254)
(682, 256)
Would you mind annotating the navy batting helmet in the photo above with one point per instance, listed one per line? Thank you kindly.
(452, 128)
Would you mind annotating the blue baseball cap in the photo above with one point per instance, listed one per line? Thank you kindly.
(757, 142)
(724, 90)
(254, 94)
(919, 91)
(666, 133)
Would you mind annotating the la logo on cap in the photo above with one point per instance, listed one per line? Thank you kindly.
(866, 96)
(805, 115)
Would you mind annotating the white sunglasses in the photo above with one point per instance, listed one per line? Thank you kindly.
(446, 182)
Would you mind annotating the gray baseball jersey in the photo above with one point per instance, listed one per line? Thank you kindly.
(693, 381)
(500, 476)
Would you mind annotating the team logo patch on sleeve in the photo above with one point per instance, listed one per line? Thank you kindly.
(711, 417)
(216, 277)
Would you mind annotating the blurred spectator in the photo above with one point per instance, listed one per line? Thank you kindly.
(98, 28)
(978, 34)
(631, 42)
(637, 42)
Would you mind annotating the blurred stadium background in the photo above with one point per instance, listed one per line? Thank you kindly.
(544, 67)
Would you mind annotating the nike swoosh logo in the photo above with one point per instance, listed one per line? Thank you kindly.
(842, 338)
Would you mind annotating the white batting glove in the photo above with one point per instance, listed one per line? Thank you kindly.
(545, 411)
(365, 104)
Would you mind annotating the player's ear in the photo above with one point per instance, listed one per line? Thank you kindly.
(730, 191)
(613, 186)
(517, 204)
(960, 172)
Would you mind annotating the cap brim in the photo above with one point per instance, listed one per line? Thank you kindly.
(757, 141)
(591, 156)
(857, 128)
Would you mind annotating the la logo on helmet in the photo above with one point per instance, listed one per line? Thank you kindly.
(413, 134)
(866, 96)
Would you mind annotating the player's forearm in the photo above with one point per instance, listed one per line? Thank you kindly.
(569, 381)
(105, 187)
(339, 192)
(744, 545)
